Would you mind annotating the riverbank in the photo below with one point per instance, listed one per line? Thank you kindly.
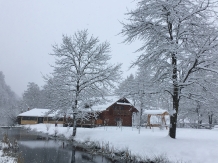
(191, 145)
(3, 157)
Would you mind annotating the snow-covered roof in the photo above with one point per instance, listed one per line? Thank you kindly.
(38, 112)
(110, 100)
(155, 111)
(121, 103)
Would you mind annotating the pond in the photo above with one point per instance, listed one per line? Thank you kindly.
(35, 150)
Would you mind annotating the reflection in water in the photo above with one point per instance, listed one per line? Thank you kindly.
(44, 151)
(48, 151)
(73, 160)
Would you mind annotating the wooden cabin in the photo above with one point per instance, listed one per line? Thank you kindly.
(160, 116)
(112, 113)
(120, 112)
(36, 115)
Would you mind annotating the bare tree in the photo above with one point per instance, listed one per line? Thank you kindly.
(82, 70)
(179, 39)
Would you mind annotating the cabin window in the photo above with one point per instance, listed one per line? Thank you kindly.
(51, 119)
(29, 118)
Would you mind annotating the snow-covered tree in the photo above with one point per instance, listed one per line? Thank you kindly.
(201, 104)
(132, 86)
(210, 103)
(32, 96)
(138, 90)
(54, 94)
(82, 70)
(8, 102)
(127, 88)
(179, 39)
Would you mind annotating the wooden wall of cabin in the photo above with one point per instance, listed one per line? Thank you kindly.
(116, 112)
(34, 120)
(53, 121)
(28, 120)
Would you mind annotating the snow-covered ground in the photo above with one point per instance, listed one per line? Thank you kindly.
(5, 159)
(191, 145)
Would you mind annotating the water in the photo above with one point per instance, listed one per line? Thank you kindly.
(34, 150)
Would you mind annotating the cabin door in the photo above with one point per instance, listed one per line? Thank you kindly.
(40, 119)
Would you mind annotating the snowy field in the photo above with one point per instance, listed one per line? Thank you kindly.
(191, 145)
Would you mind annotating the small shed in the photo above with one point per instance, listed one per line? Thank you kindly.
(158, 113)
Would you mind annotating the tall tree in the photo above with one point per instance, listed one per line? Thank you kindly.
(82, 70)
(8, 103)
(209, 105)
(31, 97)
(179, 39)
(200, 106)
(57, 94)
(127, 88)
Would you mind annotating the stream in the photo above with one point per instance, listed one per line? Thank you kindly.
(35, 149)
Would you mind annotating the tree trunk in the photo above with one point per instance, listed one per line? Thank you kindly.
(173, 117)
(173, 122)
(73, 160)
(75, 109)
(74, 124)
(210, 116)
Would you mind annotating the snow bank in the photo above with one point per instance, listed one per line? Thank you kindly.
(191, 145)
(3, 158)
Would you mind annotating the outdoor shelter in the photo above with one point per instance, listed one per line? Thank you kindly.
(160, 114)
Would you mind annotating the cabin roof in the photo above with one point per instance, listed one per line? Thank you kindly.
(123, 103)
(110, 100)
(155, 112)
(37, 112)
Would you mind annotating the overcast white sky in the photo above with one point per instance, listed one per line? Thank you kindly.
(29, 28)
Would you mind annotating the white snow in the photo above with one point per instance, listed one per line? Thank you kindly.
(5, 159)
(191, 145)
(36, 112)
(155, 111)
(121, 103)
(215, 127)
